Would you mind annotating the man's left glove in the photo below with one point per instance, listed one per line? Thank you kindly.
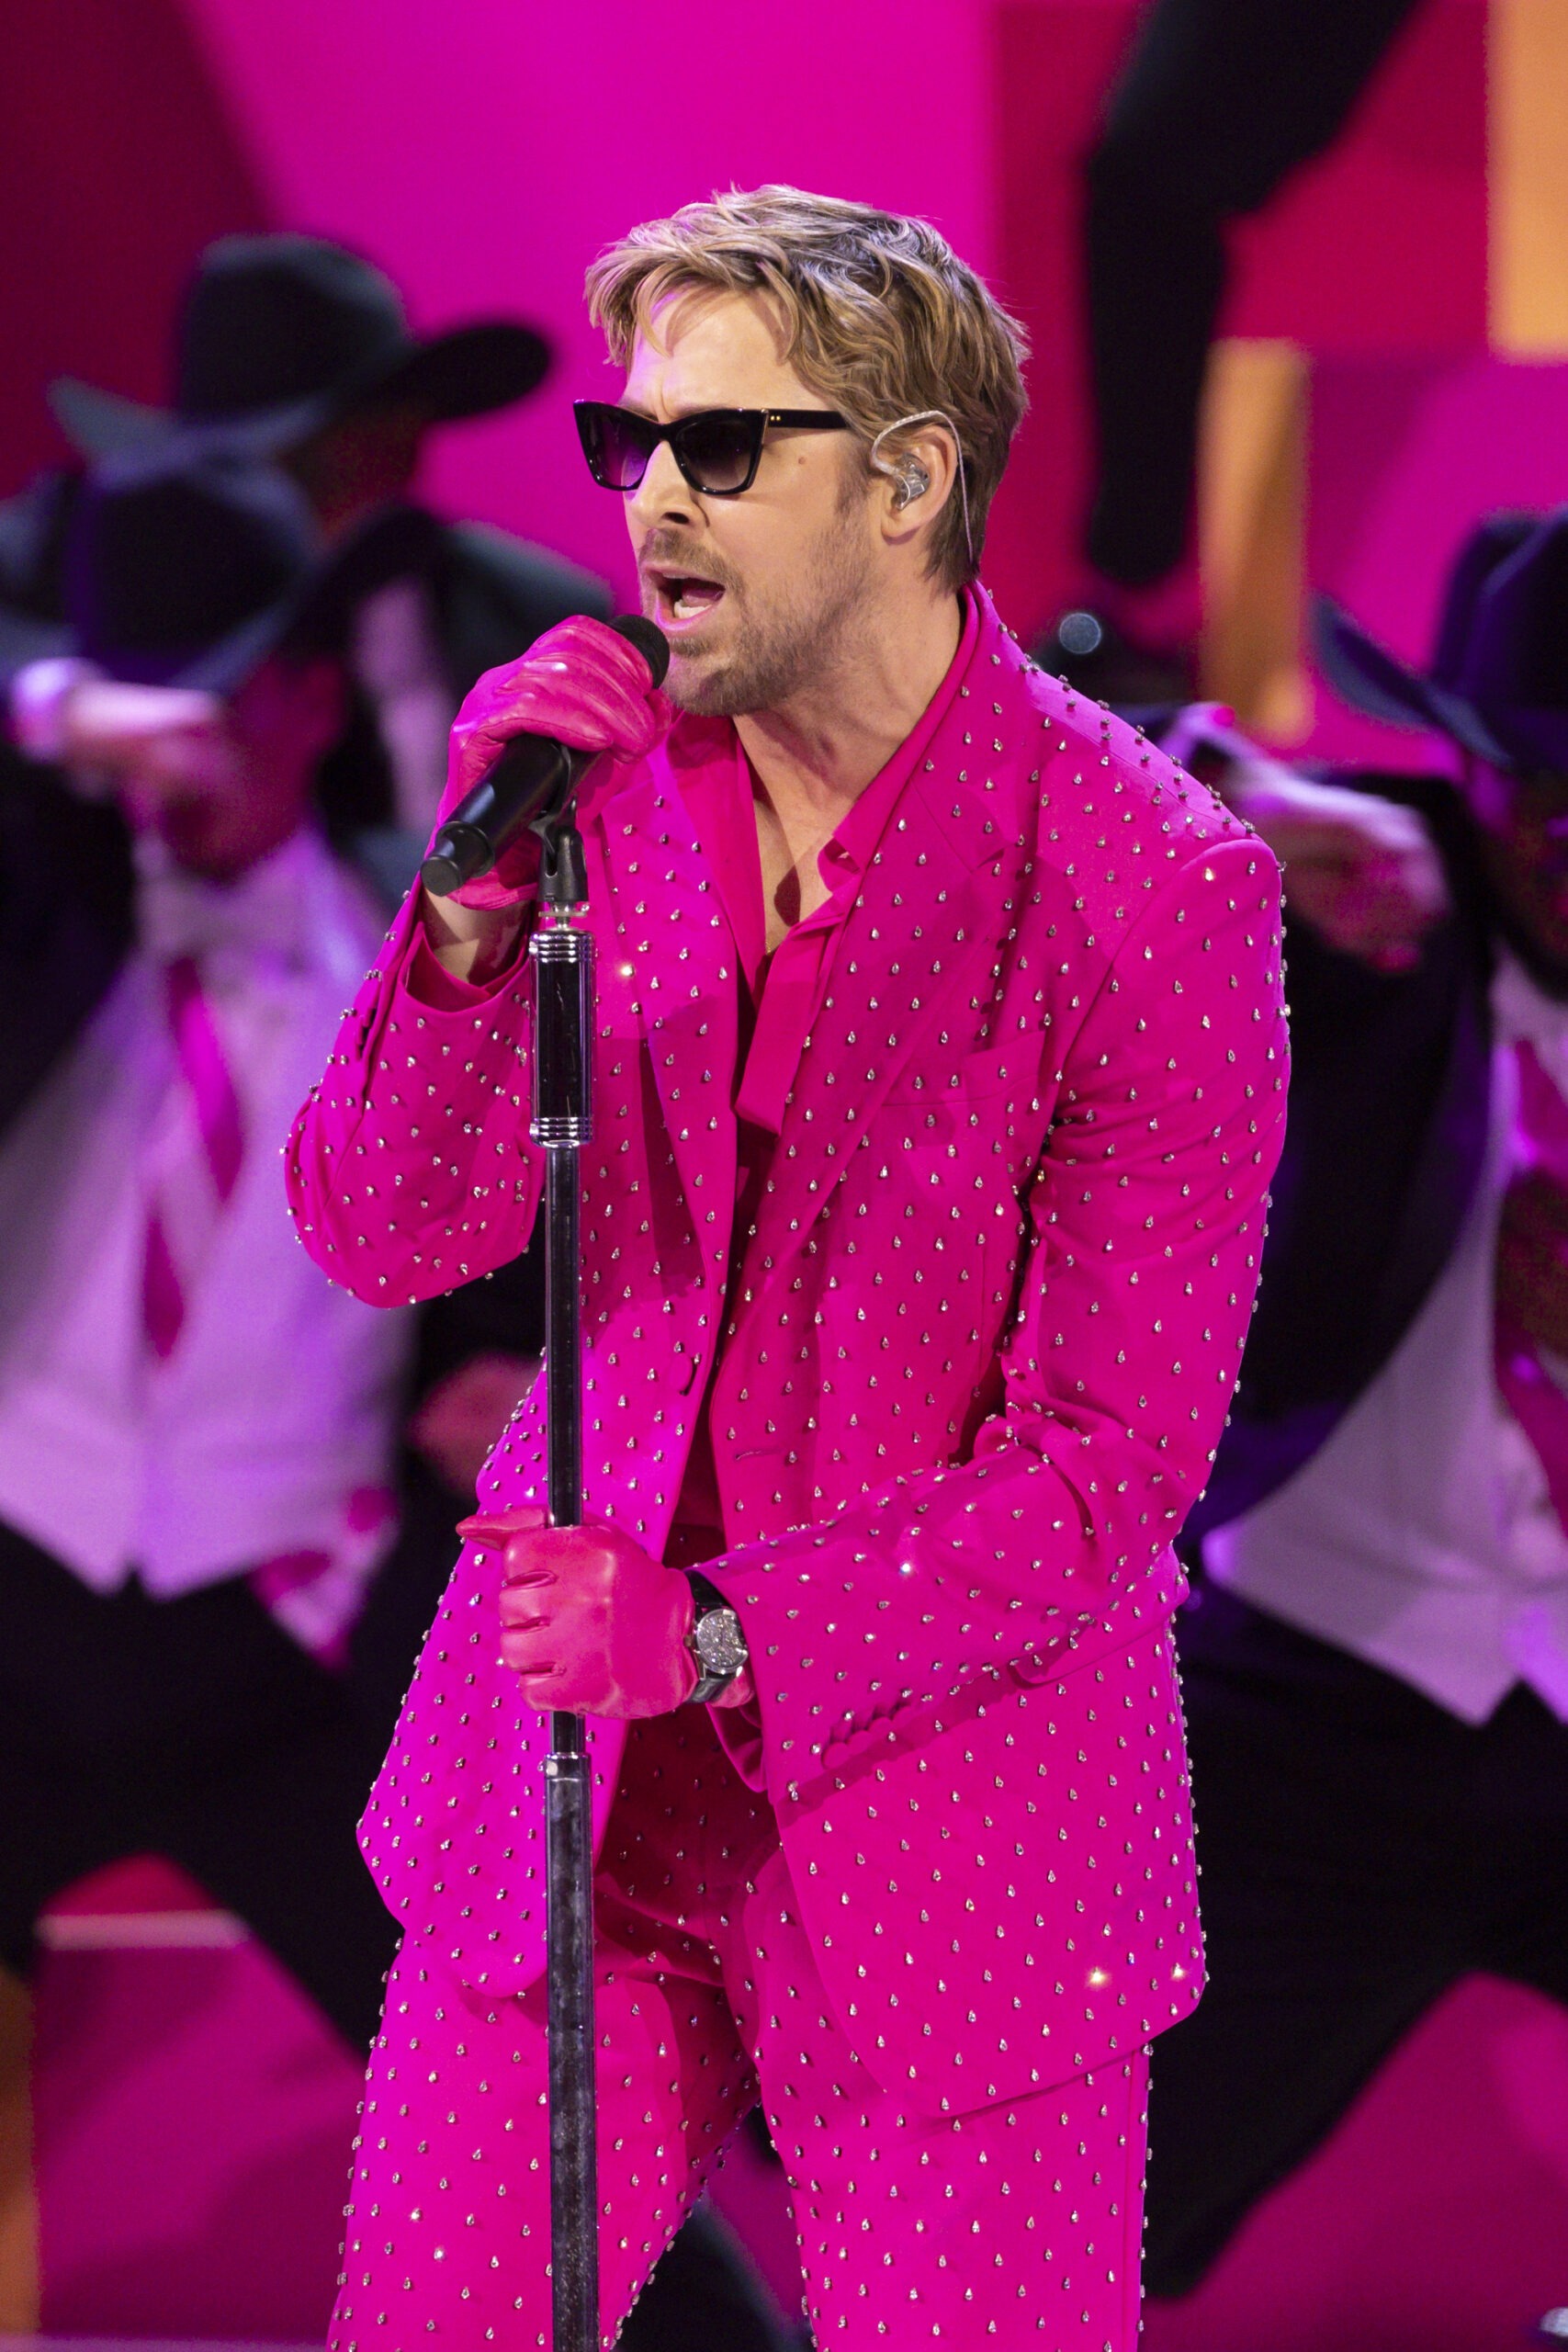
(590, 1623)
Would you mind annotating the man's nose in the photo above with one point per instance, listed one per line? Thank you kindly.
(663, 495)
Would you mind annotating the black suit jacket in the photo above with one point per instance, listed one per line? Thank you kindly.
(1386, 1132)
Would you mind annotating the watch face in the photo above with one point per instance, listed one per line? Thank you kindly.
(719, 1641)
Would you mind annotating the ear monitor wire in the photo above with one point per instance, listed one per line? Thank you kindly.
(904, 477)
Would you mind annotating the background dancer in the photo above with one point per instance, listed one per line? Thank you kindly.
(1376, 1674)
(198, 1435)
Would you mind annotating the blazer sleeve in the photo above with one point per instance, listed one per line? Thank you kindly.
(1145, 1223)
(410, 1169)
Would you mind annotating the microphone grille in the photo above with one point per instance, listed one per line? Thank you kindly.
(650, 642)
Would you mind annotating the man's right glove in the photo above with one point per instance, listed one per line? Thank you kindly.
(578, 683)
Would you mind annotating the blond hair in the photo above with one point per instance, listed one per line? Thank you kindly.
(881, 319)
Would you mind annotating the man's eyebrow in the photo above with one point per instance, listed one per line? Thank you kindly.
(698, 408)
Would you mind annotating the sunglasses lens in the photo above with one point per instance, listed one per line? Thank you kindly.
(617, 446)
(719, 449)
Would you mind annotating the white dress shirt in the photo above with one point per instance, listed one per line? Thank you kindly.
(279, 1400)
(1422, 1536)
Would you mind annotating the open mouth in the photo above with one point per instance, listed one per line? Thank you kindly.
(684, 598)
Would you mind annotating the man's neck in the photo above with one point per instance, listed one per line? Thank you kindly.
(817, 752)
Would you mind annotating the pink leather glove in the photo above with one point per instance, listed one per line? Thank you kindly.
(589, 1620)
(580, 682)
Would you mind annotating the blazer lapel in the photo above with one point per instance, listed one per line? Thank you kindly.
(675, 956)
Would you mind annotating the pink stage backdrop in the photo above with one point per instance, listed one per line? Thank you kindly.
(484, 151)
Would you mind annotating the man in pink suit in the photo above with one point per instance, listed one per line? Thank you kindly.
(940, 1073)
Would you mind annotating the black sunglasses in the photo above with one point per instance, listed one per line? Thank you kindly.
(718, 450)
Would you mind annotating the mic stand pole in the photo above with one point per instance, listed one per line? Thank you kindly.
(562, 953)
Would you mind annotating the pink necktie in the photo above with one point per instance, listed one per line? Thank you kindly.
(198, 1151)
(1528, 1390)
(196, 1157)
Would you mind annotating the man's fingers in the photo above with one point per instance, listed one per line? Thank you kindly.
(539, 1692)
(520, 1603)
(526, 1649)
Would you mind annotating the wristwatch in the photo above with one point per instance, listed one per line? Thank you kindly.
(716, 1640)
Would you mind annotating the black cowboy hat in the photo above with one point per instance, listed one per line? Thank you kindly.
(1498, 684)
(280, 336)
(190, 567)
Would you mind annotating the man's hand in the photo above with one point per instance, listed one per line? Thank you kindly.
(457, 1425)
(1362, 872)
(582, 684)
(589, 1622)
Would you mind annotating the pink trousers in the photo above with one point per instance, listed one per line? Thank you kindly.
(1020, 2220)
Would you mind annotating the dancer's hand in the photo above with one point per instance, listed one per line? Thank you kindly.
(458, 1424)
(580, 682)
(590, 1623)
(1363, 872)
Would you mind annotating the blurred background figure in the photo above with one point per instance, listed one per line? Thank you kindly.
(1219, 102)
(290, 348)
(1376, 1667)
(197, 1436)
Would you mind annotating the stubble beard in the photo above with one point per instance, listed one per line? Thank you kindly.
(774, 655)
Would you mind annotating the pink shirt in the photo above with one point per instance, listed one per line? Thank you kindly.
(782, 994)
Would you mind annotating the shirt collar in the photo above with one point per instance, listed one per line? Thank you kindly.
(270, 911)
(855, 843)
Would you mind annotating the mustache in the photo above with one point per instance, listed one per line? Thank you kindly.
(665, 550)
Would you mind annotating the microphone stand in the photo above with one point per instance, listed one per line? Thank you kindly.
(561, 948)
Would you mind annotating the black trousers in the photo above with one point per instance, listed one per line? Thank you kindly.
(1361, 1849)
(1219, 101)
(195, 1729)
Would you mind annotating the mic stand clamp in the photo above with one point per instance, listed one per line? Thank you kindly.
(561, 948)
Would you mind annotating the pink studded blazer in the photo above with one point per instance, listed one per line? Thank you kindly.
(989, 1323)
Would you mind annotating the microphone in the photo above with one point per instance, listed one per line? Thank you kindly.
(532, 775)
